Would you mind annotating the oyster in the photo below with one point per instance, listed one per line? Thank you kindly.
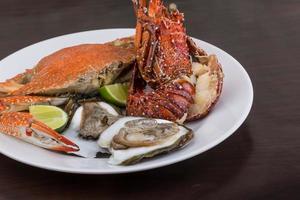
(95, 117)
(131, 139)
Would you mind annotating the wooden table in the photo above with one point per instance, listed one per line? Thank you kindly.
(260, 161)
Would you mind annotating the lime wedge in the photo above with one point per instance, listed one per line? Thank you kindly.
(116, 94)
(52, 116)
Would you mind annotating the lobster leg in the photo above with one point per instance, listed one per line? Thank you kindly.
(194, 50)
(138, 4)
(145, 57)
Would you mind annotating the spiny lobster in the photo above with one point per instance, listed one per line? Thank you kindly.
(165, 83)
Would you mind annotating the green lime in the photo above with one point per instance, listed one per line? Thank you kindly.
(116, 94)
(52, 116)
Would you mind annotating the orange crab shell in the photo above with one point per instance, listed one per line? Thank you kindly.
(78, 69)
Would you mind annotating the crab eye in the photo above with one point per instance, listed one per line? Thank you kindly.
(28, 132)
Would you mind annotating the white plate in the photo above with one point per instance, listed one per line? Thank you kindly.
(229, 113)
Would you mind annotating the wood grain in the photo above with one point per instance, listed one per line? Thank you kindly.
(260, 161)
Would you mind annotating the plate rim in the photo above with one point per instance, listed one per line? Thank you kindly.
(163, 163)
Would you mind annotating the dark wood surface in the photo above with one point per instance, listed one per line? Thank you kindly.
(260, 161)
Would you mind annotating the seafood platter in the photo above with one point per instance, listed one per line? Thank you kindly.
(127, 100)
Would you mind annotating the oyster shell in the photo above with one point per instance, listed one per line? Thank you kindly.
(131, 139)
(95, 117)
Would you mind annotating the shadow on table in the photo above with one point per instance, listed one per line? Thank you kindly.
(198, 177)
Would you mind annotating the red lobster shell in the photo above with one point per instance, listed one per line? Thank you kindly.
(161, 85)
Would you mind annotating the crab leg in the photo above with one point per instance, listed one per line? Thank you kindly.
(24, 127)
(16, 82)
(9, 86)
(21, 103)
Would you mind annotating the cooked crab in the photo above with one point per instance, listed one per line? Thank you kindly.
(76, 70)
(22, 103)
(173, 78)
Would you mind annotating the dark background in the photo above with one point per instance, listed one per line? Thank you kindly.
(260, 161)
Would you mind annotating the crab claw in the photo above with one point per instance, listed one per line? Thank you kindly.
(21, 103)
(23, 126)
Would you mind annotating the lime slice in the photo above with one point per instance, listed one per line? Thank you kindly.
(116, 94)
(52, 116)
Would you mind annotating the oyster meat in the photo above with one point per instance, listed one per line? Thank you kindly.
(94, 118)
(131, 139)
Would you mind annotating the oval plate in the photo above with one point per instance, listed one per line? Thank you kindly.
(229, 113)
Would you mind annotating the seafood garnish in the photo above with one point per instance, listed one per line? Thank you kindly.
(162, 85)
(95, 118)
(131, 139)
(24, 127)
